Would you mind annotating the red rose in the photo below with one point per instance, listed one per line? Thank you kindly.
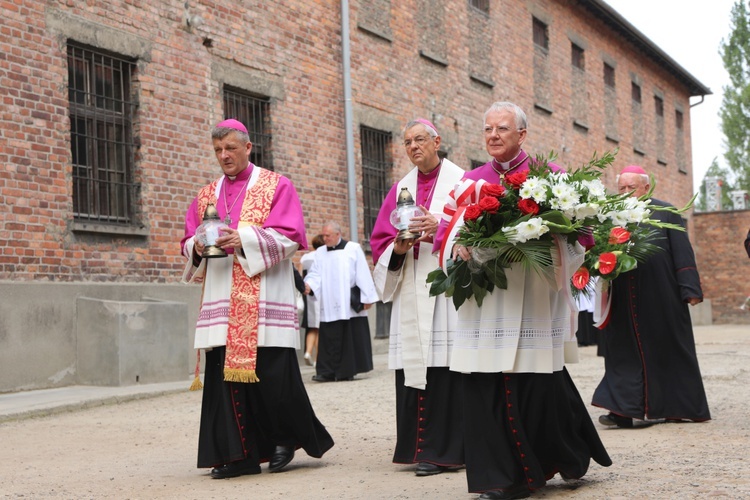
(607, 262)
(528, 206)
(472, 212)
(618, 235)
(495, 190)
(581, 278)
(516, 179)
(489, 204)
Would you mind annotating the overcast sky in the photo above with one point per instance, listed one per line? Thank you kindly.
(691, 33)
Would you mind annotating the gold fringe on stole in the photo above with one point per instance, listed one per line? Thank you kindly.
(238, 375)
(197, 385)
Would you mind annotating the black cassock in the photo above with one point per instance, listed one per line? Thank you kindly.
(651, 369)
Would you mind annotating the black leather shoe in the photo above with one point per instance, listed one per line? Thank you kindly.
(625, 422)
(612, 419)
(234, 469)
(428, 469)
(518, 491)
(320, 378)
(281, 458)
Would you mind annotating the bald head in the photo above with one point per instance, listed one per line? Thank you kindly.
(634, 181)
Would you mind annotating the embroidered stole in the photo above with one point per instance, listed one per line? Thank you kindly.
(242, 333)
(417, 306)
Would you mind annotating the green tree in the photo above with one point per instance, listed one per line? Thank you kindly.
(722, 173)
(735, 107)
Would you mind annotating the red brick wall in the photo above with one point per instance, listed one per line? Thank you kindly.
(296, 45)
(723, 262)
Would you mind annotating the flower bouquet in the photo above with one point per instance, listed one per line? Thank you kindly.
(518, 221)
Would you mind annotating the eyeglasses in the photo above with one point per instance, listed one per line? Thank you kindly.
(500, 129)
(419, 140)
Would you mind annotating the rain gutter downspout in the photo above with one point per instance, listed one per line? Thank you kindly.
(348, 122)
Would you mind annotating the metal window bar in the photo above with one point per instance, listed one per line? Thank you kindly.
(254, 113)
(609, 75)
(102, 145)
(541, 34)
(481, 5)
(635, 92)
(576, 56)
(376, 166)
(659, 106)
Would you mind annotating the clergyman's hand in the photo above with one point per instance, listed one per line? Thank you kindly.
(463, 252)
(426, 224)
(230, 238)
(400, 247)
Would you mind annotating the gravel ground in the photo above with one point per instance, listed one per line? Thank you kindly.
(146, 448)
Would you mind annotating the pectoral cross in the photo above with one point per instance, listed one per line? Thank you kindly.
(227, 220)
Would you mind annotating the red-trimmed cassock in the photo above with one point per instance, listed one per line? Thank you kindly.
(651, 369)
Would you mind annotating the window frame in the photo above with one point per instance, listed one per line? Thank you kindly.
(482, 6)
(636, 93)
(254, 112)
(376, 148)
(102, 110)
(609, 75)
(540, 33)
(659, 106)
(577, 56)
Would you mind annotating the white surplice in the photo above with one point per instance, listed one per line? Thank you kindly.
(525, 328)
(332, 276)
(419, 334)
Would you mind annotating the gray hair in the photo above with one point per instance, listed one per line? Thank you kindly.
(333, 225)
(433, 133)
(508, 106)
(222, 132)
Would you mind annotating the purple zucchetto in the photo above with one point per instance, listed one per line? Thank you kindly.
(232, 123)
(427, 123)
(633, 169)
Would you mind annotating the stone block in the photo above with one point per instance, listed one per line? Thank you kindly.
(130, 342)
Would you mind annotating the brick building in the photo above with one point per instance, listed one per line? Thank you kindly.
(723, 263)
(107, 107)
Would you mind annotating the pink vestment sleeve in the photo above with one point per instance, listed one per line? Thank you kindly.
(191, 223)
(383, 233)
(286, 214)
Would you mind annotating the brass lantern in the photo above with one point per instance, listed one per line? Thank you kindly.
(403, 213)
(208, 232)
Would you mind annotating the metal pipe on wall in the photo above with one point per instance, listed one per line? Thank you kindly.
(348, 121)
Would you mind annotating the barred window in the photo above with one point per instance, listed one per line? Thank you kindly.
(481, 5)
(609, 75)
(659, 106)
(376, 167)
(635, 92)
(576, 56)
(541, 34)
(101, 136)
(254, 113)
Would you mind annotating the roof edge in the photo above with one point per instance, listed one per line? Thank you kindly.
(605, 12)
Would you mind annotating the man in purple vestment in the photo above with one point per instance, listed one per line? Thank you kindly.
(248, 322)
(747, 244)
(525, 424)
(429, 406)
